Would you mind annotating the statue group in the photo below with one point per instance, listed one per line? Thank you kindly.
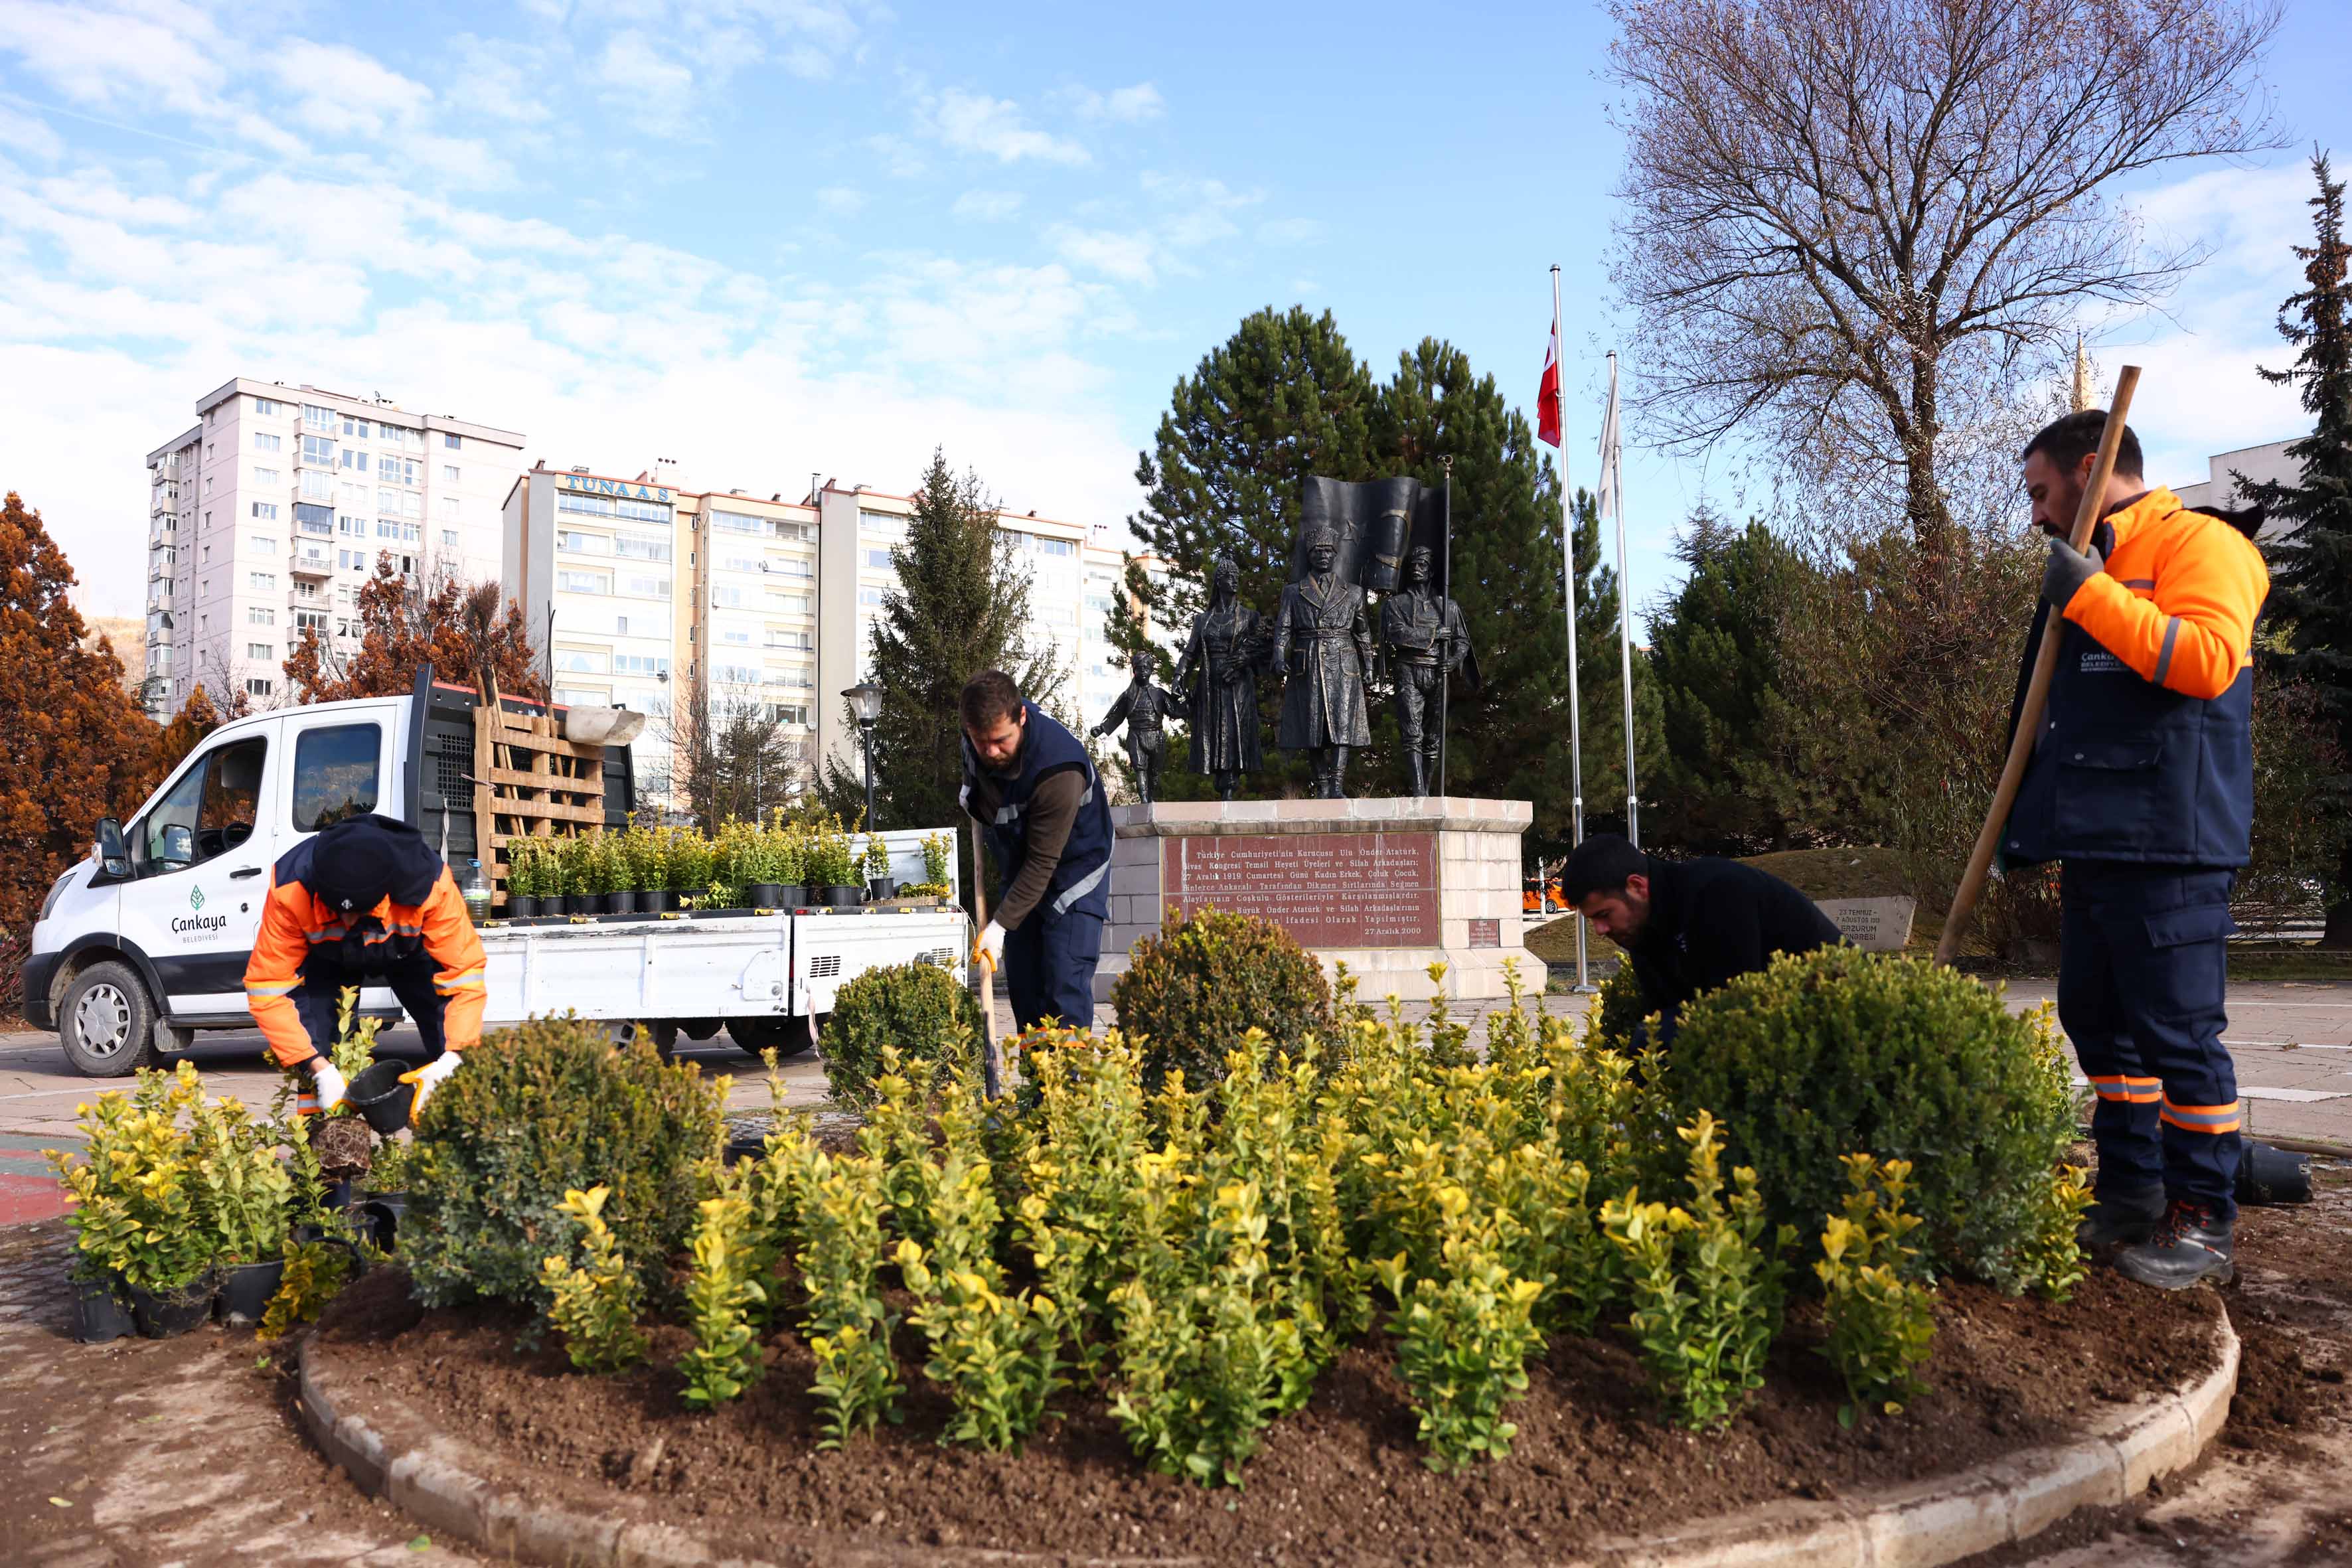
(1322, 648)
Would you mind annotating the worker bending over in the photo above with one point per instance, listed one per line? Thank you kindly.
(366, 902)
(1030, 785)
(2142, 788)
(1688, 927)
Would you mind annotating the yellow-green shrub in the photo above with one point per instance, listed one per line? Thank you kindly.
(1191, 993)
(719, 1294)
(1465, 1338)
(595, 1302)
(916, 1009)
(1881, 1318)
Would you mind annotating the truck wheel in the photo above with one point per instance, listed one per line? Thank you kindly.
(106, 1022)
(789, 1038)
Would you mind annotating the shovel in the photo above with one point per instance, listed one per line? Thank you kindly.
(983, 982)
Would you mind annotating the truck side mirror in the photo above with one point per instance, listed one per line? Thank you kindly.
(179, 847)
(113, 855)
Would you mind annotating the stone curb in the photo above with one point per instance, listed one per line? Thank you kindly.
(1920, 1525)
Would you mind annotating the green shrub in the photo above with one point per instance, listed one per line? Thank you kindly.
(1617, 1009)
(1842, 1049)
(545, 1107)
(916, 1008)
(1190, 994)
(1882, 1319)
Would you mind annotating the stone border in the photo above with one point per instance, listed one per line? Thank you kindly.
(428, 1476)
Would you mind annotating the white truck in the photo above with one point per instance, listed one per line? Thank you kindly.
(145, 941)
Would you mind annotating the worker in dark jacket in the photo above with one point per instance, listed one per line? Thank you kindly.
(1688, 926)
(2142, 787)
(1031, 788)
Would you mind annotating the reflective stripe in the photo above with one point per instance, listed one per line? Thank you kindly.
(2164, 657)
(2129, 1091)
(1005, 813)
(2139, 582)
(256, 988)
(2202, 1117)
(1082, 887)
(471, 977)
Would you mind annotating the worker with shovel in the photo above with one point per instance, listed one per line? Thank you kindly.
(2141, 786)
(366, 902)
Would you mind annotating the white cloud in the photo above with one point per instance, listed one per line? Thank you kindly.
(989, 206)
(994, 128)
(341, 92)
(840, 199)
(1125, 105)
(1127, 256)
(25, 136)
(1290, 230)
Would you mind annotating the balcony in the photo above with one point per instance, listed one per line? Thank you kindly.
(159, 567)
(306, 562)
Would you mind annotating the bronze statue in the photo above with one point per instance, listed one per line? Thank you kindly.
(1142, 706)
(1323, 642)
(1218, 677)
(1426, 641)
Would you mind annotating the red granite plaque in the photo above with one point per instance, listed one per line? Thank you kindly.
(1487, 933)
(1328, 889)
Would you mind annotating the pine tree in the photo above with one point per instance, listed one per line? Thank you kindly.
(2311, 563)
(73, 746)
(472, 635)
(960, 605)
(199, 716)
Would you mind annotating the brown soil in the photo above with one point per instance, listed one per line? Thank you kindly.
(344, 1146)
(1339, 1481)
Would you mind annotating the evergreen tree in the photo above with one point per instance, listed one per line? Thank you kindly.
(958, 605)
(2311, 564)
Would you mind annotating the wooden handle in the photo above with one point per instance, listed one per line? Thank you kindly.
(2037, 689)
(985, 979)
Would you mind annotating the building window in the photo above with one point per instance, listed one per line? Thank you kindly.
(355, 461)
(267, 511)
(736, 674)
(319, 485)
(449, 473)
(1054, 546)
(877, 559)
(262, 406)
(265, 581)
(640, 664)
(869, 595)
(572, 542)
(584, 583)
(880, 524)
(637, 548)
(260, 650)
(741, 563)
(449, 506)
(646, 588)
(391, 435)
(256, 687)
(737, 523)
(266, 441)
(579, 695)
(310, 620)
(260, 615)
(454, 443)
(319, 449)
(261, 545)
(584, 660)
(265, 478)
(738, 635)
(354, 429)
(448, 539)
(316, 519)
(790, 712)
(323, 420)
(726, 595)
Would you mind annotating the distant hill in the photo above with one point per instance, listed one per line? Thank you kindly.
(128, 635)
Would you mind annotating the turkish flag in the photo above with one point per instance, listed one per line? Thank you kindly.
(1547, 392)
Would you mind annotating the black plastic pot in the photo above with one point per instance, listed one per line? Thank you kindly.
(379, 1096)
(882, 888)
(765, 895)
(521, 906)
(100, 1313)
(162, 1316)
(791, 895)
(841, 897)
(246, 1289)
(2269, 1175)
(384, 1213)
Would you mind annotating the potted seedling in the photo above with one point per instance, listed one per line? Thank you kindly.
(246, 1192)
(878, 882)
(756, 865)
(140, 1213)
(789, 846)
(689, 865)
(523, 879)
(641, 848)
(565, 873)
(832, 866)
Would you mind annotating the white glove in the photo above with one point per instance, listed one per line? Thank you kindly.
(428, 1078)
(327, 1086)
(989, 948)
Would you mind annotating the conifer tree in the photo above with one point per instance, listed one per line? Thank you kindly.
(2311, 563)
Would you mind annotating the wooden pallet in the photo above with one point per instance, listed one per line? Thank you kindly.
(529, 783)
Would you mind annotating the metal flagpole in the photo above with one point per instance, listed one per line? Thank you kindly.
(1612, 489)
(1568, 585)
(1444, 678)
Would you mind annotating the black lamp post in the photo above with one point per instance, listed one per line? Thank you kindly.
(866, 703)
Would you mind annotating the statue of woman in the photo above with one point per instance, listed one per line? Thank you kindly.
(1218, 676)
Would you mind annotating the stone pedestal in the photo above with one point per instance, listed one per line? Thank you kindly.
(1387, 887)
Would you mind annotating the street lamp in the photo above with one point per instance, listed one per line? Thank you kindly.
(866, 706)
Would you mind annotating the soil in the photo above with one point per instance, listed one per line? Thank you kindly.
(1341, 1480)
(344, 1146)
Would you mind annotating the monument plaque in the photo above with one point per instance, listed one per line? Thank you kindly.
(1328, 889)
(1486, 933)
(1877, 925)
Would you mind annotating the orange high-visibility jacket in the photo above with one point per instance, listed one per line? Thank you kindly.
(2178, 600)
(434, 930)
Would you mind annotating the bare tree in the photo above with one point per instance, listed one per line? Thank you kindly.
(735, 758)
(1857, 227)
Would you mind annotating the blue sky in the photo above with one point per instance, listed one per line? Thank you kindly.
(769, 237)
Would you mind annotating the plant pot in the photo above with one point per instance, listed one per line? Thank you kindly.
(162, 1314)
(792, 895)
(882, 888)
(246, 1289)
(521, 906)
(765, 895)
(381, 1098)
(666, 901)
(383, 1214)
(100, 1313)
(621, 902)
(845, 897)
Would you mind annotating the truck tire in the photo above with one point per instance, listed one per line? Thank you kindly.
(789, 1038)
(106, 1022)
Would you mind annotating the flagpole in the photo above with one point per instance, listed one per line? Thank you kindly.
(1444, 678)
(1568, 585)
(1615, 459)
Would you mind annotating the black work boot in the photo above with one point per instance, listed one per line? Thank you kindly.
(2193, 1244)
(2121, 1217)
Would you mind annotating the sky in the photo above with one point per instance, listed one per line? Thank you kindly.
(767, 239)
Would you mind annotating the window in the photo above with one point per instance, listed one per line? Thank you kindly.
(310, 620)
(741, 563)
(1054, 546)
(354, 429)
(352, 498)
(790, 603)
(265, 478)
(737, 523)
(354, 462)
(453, 443)
(391, 434)
(320, 449)
(352, 560)
(412, 505)
(790, 712)
(207, 811)
(315, 519)
(1058, 615)
(881, 524)
(736, 674)
(726, 595)
(265, 581)
(323, 420)
(579, 543)
(267, 511)
(351, 527)
(869, 595)
(265, 441)
(646, 588)
(263, 651)
(448, 539)
(261, 545)
(335, 774)
(639, 548)
(260, 615)
(449, 473)
(789, 640)
(256, 687)
(735, 635)
(879, 559)
(607, 506)
(579, 695)
(306, 591)
(640, 664)
(584, 660)
(319, 485)
(448, 505)
(263, 406)
(583, 582)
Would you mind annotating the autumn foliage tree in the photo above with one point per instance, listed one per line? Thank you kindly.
(73, 746)
(466, 634)
(199, 716)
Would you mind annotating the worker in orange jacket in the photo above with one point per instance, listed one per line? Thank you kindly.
(2141, 785)
(366, 902)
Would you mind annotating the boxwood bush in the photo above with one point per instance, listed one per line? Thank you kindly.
(912, 1007)
(1842, 1051)
(1191, 993)
(550, 1105)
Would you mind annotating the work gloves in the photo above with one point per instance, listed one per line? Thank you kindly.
(327, 1089)
(988, 947)
(427, 1079)
(2068, 569)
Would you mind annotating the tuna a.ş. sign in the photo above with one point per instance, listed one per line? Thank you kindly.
(587, 484)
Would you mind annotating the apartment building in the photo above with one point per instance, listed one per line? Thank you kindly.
(265, 516)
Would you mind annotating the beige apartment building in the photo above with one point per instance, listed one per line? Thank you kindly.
(268, 513)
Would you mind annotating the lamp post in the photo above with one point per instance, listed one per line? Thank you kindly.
(866, 705)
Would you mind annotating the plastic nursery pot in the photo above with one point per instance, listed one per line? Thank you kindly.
(791, 896)
(381, 1098)
(100, 1313)
(382, 1216)
(246, 1289)
(841, 897)
(162, 1314)
(883, 888)
(765, 895)
(521, 906)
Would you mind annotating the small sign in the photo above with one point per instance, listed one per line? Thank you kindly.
(1878, 925)
(1487, 933)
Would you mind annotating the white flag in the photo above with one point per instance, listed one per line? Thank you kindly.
(1609, 455)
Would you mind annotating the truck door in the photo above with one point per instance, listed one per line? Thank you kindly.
(200, 860)
(337, 765)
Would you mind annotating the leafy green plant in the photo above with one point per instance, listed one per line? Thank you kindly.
(939, 854)
(916, 1009)
(1466, 1340)
(1882, 1323)
(352, 1053)
(550, 1105)
(595, 1303)
(1904, 1057)
(690, 862)
(243, 1187)
(139, 1204)
(787, 850)
(877, 858)
(847, 1327)
(1617, 1010)
(1190, 993)
(315, 1272)
(832, 862)
(720, 1292)
(2054, 1256)
(1077, 1152)
(644, 858)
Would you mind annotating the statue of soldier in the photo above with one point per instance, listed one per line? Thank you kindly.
(1142, 706)
(1218, 679)
(1426, 641)
(1323, 641)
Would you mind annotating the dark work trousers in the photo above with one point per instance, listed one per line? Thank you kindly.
(1049, 969)
(317, 999)
(2142, 980)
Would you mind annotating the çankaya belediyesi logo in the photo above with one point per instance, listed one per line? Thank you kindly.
(199, 924)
